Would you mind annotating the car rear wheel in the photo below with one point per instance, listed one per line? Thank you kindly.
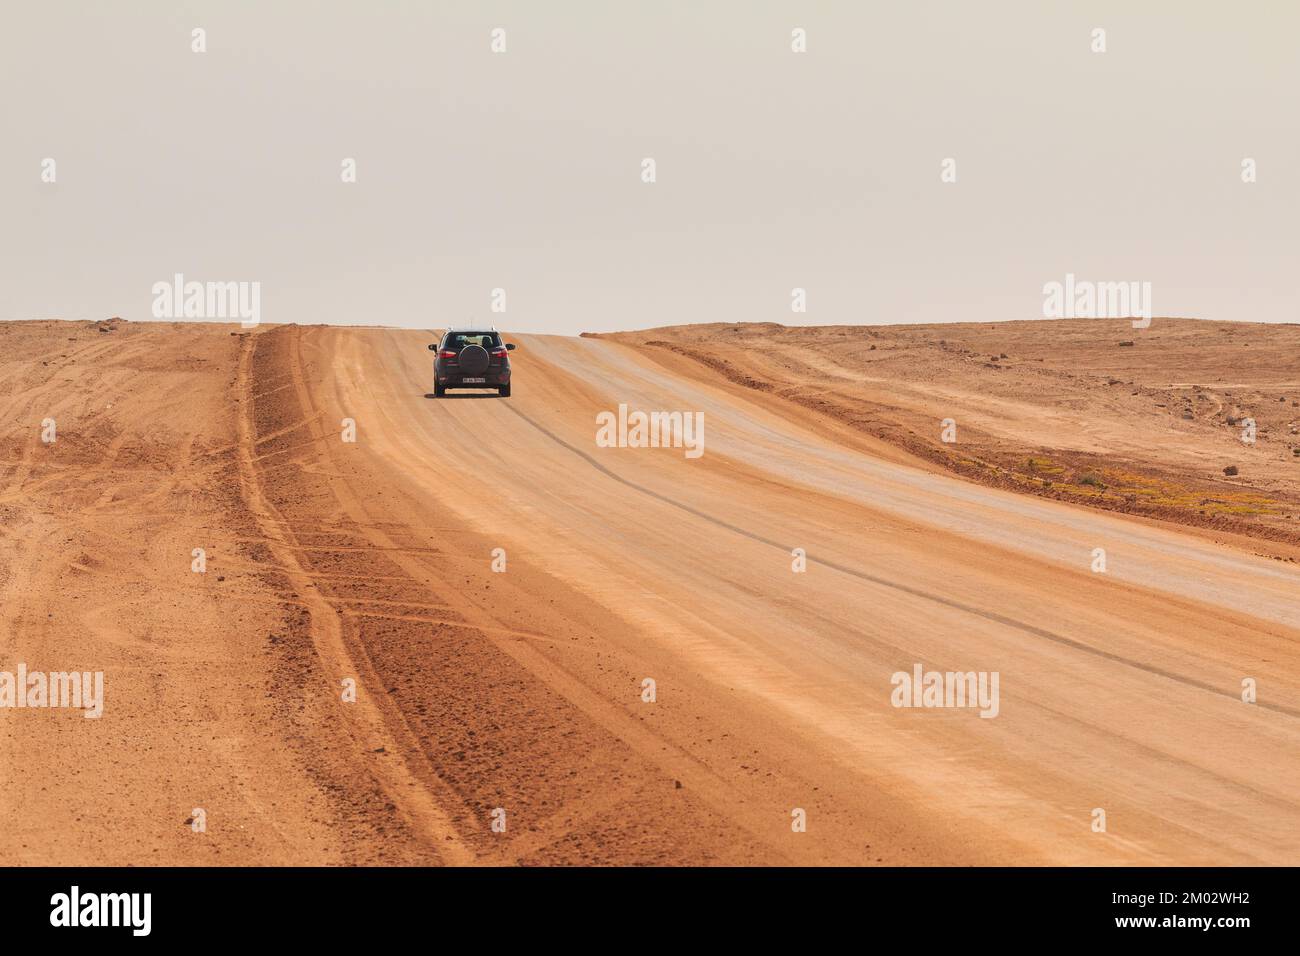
(504, 391)
(439, 390)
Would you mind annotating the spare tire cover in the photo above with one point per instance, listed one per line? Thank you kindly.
(473, 360)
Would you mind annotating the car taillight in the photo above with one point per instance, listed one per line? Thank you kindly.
(498, 354)
(446, 354)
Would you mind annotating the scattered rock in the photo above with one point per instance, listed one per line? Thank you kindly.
(1230, 470)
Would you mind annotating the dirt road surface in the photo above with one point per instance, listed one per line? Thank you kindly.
(1187, 421)
(517, 697)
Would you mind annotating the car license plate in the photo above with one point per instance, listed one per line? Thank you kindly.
(475, 381)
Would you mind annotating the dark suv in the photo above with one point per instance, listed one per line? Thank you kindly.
(471, 358)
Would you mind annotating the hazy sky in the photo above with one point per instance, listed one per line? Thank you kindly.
(522, 170)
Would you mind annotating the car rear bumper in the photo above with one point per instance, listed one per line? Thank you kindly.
(492, 378)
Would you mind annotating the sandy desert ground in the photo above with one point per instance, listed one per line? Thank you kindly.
(477, 690)
(1141, 421)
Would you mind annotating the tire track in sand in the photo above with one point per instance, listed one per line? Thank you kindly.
(365, 717)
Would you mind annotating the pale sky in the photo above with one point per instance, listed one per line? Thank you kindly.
(522, 170)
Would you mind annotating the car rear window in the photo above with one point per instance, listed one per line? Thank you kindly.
(458, 340)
